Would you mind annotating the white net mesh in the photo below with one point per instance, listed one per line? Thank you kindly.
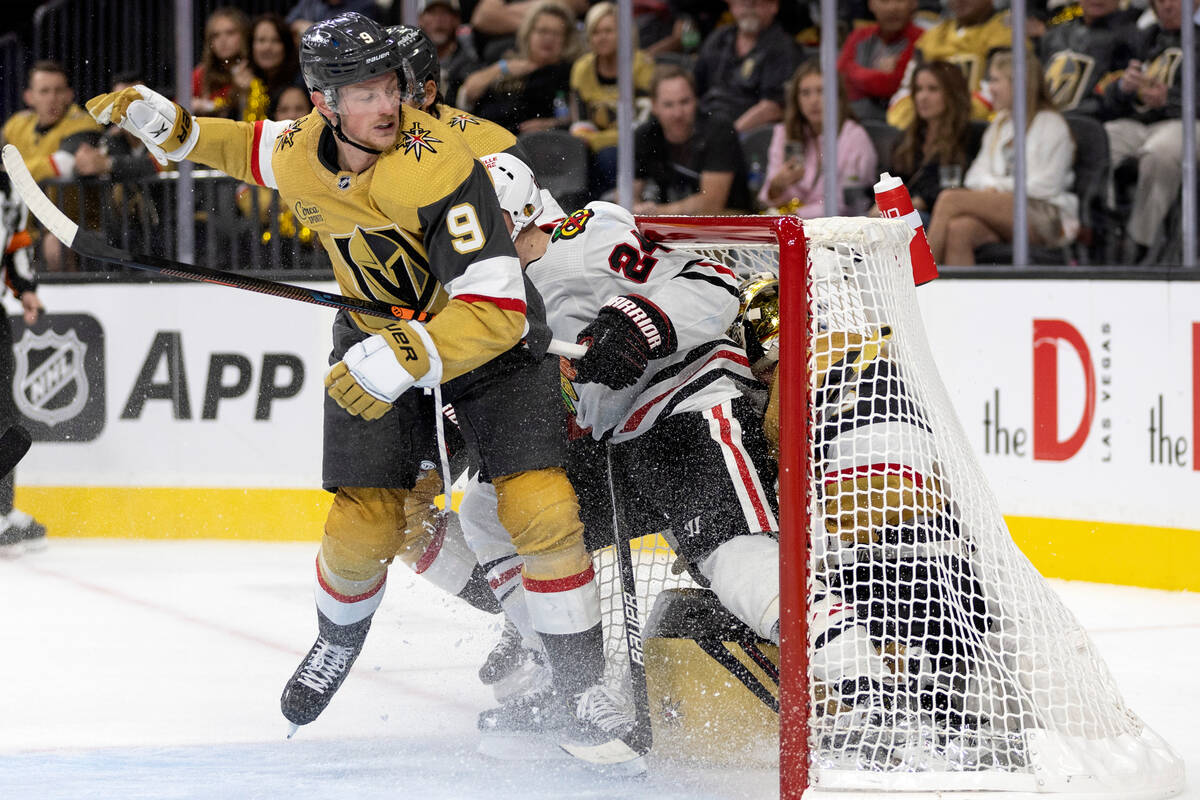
(938, 656)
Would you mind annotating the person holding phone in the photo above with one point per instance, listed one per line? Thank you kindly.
(794, 169)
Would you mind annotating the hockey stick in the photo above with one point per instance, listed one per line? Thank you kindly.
(14, 444)
(642, 736)
(90, 244)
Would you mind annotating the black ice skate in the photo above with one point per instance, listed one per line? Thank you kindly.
(506, 656)
(525, 726)
(31, 532)
(600, 732)
(541, 711)
(322, 671)
(512, 669)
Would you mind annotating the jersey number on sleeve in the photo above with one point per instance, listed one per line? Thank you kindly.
(634, 263)
(463, 224)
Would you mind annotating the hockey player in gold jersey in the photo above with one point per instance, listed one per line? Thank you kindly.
(408, 217)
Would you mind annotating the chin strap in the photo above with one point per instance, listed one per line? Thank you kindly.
(337, 131)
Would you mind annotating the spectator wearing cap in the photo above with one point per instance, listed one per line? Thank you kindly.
(441, 19)
(742, 67)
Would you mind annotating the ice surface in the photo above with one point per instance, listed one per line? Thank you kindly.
(136, 669)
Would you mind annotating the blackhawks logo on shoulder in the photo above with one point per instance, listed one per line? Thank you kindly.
(573, 225)
(416, 140)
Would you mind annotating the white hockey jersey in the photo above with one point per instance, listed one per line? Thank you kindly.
(596, 254)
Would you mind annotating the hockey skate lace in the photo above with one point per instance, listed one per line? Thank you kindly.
(599, 706)
(326, 663)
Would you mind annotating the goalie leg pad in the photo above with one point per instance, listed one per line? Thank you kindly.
(744, 573)
(363, 532)
(843, 653)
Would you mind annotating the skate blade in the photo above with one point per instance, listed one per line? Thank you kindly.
(518, 746)
(611, 758)
(633, 768)
(291, 729)
(35, 545)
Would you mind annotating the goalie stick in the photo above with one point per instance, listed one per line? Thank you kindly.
(643, 735)
(90, 244)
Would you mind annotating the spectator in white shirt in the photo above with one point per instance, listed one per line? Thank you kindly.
(982, 212)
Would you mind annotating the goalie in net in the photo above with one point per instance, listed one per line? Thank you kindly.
(938, 659)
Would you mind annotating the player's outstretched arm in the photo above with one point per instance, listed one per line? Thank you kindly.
(171, 133)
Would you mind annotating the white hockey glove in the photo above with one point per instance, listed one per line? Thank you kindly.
(168, 131)
(382, 367)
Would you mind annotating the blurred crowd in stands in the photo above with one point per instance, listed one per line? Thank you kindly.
(729, 113)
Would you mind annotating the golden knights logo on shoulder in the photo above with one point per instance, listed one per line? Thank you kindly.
(416, 140)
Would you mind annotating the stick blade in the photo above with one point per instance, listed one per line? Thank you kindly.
(55, 221)
(14, 444)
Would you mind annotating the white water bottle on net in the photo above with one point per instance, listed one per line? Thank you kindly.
(937, 661)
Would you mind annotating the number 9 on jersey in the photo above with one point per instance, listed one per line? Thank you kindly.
(463, 224)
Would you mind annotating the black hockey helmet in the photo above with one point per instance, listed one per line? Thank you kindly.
(418, 50)
(345, 50)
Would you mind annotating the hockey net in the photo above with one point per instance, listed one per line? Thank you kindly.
(936, 658)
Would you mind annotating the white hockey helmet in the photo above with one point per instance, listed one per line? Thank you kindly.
(516, 189)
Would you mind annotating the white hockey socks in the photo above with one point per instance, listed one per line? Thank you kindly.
(345, 602)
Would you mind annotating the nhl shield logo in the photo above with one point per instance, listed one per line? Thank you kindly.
(50, 385)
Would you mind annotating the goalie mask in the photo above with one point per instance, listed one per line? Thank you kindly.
(756, 327)
(516, 189)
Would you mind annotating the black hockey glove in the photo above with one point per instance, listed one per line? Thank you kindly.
(628, 332)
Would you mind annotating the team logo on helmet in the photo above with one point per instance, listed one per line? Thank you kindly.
(461, 121)
(416, 140)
